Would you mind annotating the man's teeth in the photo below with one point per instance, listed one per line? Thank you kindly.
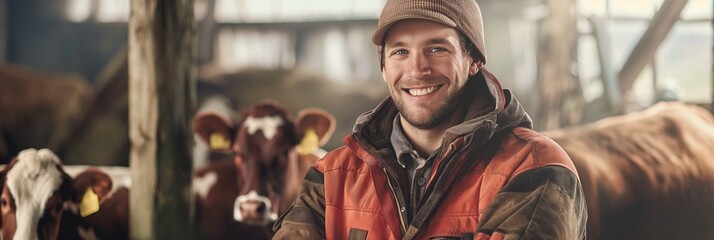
(422, 91)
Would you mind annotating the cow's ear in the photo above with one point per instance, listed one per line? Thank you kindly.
(214, 130)
(314, 127)
(90, 188)
(3, 174)
(92, 179)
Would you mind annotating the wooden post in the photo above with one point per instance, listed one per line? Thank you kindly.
(560, 99)
(161, 98)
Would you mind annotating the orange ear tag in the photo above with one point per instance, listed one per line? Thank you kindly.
(218, 142)
(309, 143)
(89, 204)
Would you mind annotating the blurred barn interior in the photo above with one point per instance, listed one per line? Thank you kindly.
(569, 61)
(64, 64)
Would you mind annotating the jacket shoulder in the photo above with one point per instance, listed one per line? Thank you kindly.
(534, 150)
(342, 158)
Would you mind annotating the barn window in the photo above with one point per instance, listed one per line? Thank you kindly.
(329, 37)
(103, 11)
(79, 10)
(682, 65)
(113, 10)
(291, 10)
(254, 48)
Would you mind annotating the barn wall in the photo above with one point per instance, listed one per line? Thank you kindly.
(40, 36)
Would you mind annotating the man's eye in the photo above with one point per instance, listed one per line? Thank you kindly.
(399, 52)
(437, 49)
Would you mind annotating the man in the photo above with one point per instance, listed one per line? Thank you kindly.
(449, 155)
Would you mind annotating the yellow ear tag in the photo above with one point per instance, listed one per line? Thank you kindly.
(309, 143)
(89, 204)
(219, 142)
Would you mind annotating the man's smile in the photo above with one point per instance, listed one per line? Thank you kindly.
(421, 91)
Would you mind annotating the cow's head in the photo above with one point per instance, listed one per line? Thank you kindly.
(35, 190)
(267, 143)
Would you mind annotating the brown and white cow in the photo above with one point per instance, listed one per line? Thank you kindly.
(646, 175)
(241, 198)
(220, 107)
(111, 220)
(41, 201)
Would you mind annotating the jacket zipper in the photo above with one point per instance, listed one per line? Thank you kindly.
(396, 200)
(437, 165)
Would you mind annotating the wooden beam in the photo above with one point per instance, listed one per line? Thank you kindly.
(646, 48)
(611, 87)
(109, 89)
(161, 97)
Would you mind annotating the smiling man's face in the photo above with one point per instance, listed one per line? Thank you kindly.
(425, 68)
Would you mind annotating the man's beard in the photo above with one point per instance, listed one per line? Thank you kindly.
(440, 115)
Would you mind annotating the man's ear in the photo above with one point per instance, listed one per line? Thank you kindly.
(314, 127)
(380, 55)
(94, 179)
(214, 130)
(475, 66)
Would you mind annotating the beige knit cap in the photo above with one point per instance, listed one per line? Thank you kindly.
(463, 15)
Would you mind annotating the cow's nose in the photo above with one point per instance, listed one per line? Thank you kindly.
(261, 208)
(253, 209)
(254, 212)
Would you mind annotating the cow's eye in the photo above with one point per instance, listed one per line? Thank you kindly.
(3, 202)
(58, 207)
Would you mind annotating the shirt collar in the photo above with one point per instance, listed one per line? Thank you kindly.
(400, 143)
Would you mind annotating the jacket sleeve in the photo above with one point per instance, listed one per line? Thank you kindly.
(543, 203)
(306, 217)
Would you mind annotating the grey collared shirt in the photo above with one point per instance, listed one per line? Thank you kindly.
(418, 168)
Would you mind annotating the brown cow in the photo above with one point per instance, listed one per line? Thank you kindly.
(646, 175)
(240, 199)
(39, 199)
(37, 108)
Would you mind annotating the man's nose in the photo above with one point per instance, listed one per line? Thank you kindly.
(418, 66)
